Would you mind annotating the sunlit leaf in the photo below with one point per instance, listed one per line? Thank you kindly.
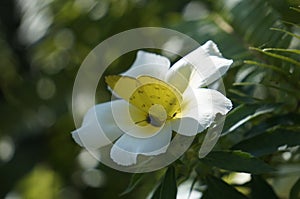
(243, 113)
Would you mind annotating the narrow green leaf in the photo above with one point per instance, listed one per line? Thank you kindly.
(290, 23)
(282, 50)
(295, 191)
(243, 114)
(239, 113)
(296, 9)
(237, 161)
(264, 85)
(275, 68)
(268, 142)
(169, 186)
(243, 97)
(134, 181)
(260, 189)
(283, 120)
(254, 22)
(218, 189)
(287, 32)
(156, 194)
(288, 59)
(192, 187)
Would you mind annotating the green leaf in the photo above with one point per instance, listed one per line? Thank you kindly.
(274, 121)
(287, 32)
(237, 114)
(242, 97)
(192, 187)
(134, 181)
(243, 113)
(284, 58)
(237, 161)
(295, 191)
(257, 85)
(296, 9)
(156, 194)
(218, 189)
(268, 142)
(283, 50)
(169, 187)
(274, 68)
(254, 22)
(260, 189)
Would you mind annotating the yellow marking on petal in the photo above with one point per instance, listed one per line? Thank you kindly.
(146, 92)
(123, 86)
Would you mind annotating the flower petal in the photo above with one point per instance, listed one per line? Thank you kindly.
(179, 74)
(98, 128)
(221, 64)
(127, 116)
(148, 64)
(201, 67)
(199, 109)
(125, 150)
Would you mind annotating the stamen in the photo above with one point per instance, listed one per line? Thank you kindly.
(157, 115)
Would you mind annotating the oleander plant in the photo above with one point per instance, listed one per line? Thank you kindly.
(255, 47)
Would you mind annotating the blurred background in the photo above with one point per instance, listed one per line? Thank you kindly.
(43, 43)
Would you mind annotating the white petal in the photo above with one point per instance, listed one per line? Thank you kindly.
(149, 64)
(200, 67)
(126, 149)
(179, 74)
(126, 116)
(199, 109)
(98, 128)
(211, 48)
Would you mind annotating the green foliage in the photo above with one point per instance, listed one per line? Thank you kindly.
(167, 187)
(37, 72)
(295, 191)
(218, 189)
(269, 142)
(261, 189)
(236, 161)
(134, 181)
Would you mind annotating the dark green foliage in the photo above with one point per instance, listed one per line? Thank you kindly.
(295, 191)
(167, 187)
(218, 189)
(260, 189)
(269, 142)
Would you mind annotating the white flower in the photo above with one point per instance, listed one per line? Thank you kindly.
(184, 106)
